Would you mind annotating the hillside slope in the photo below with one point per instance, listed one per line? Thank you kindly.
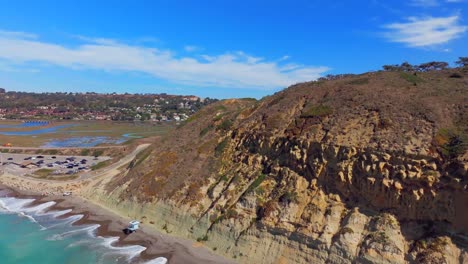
(368, 168)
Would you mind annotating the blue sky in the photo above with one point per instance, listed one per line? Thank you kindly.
(217, 48)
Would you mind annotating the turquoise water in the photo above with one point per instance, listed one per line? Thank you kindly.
(33, 235)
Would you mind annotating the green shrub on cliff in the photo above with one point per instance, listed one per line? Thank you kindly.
(289, 197)
(316, 111)
(220, 147)
(203, 238)
(256, 183)
(359, 81)
(346, 230)
(450, 142)
(225, 125)
(414, 79)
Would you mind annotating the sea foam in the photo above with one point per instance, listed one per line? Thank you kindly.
(22, 207)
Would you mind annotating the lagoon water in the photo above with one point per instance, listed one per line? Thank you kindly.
(26, 124)
(38, 131)
(83, 142)
(33, 235)
(70, 142)
(35, 131)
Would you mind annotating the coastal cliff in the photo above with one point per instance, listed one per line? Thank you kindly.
(364, 169)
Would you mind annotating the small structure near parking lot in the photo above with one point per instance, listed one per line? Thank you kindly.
(28, 164)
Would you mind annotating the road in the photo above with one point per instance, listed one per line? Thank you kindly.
(127, 159)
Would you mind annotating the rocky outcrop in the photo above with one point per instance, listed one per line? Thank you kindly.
(334, 172)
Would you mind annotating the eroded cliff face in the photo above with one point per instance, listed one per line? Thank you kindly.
(369, 169)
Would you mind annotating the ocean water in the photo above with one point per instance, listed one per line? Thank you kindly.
(33, 235)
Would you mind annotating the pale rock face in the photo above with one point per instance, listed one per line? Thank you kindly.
(323, 208)
(360, 183)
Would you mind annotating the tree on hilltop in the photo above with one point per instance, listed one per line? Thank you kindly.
(462, 62)
(432, 66)
(404, 67)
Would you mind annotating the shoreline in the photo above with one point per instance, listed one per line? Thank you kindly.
(175, 250)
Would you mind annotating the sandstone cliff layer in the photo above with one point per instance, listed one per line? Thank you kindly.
(366, 169)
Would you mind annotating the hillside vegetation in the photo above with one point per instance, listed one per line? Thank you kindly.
(361, 168)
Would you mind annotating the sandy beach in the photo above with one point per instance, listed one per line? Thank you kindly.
(175, 250)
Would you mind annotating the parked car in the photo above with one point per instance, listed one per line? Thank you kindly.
(10, 159)
(40, 157)
(54, 157)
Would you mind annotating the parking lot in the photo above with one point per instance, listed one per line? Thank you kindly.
(29, 164)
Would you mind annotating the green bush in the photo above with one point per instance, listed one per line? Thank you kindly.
(224, 178)
(98, 153)
(53, 152)
(225, 125)
(346, 230)
(414, 79)
(205, 130)
(256, 183)
(221, 108)
(289, 197)
(203, 238)
(316, 111)
(451, 142)
(220, 147)
(100, 165)
(359, 81)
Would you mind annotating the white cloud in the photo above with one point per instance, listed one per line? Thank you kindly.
(233, 70)
(424, 3)
(428, 31)
(431, 3)
(190, 48)
(16, 34)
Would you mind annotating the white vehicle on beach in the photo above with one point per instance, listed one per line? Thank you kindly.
(133, 226)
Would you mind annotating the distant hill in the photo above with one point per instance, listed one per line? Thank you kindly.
(23, 105)
(368, 168)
